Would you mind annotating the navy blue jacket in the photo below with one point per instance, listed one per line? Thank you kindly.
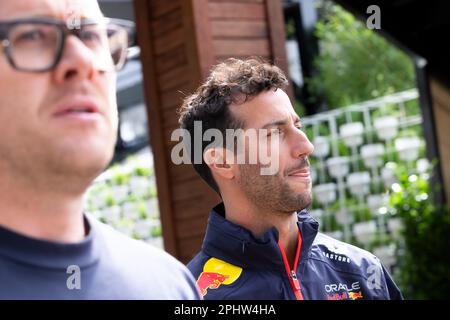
(233, 264)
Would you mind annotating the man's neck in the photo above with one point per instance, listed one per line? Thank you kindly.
(259, 221)
(41, 213)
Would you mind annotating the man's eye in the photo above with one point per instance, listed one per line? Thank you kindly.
(274, 131)
(31, 35)
(91, 37)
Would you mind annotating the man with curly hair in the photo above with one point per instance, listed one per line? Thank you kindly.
(261, 242)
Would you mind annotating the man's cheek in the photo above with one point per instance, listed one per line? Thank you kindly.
(269, 154)
(115, 121)
(111, 101)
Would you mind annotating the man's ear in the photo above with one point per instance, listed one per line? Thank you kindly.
(220, 162)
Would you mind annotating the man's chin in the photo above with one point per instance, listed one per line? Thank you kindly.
(86, 160)
(87, 145)
(301, 188)
(303, 200)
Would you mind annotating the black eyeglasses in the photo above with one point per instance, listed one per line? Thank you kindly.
(36, 45)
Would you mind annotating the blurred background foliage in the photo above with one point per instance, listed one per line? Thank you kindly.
(423, 270)
(354, 63)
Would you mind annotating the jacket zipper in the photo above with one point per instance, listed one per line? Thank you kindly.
(295, 284)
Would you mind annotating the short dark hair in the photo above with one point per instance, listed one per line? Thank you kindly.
(232, 81)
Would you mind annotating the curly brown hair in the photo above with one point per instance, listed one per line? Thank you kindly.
(234, 81)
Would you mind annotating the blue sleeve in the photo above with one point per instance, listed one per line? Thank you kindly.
(393, 290)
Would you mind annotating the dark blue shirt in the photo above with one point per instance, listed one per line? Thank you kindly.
(105, 265)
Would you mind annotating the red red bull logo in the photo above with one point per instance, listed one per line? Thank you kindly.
(355, 295)
(338, 296)
(210, 280)
(215, 273)
(343, 291)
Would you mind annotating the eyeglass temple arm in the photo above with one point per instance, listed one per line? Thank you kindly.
(133, 52)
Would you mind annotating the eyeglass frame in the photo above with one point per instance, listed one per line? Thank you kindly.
(65, 31)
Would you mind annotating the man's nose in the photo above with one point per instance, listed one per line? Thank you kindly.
(77, 61)
(302, 146)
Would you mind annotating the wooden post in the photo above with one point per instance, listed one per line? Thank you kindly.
(441, 106)
(180, 40)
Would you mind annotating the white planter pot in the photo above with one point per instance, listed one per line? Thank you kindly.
(388, 174)
(344, 217)
(126, 229)
(157, 242)
(376, 201)
(139, 186)
(338, 235)
(338, 167)
(358, 183)
(352, 134)
(422, 165)
(130, 211)
(120, 192)
(98, 200)
(152, 208)
(112, 214)
(386, 127)
(407, 148)
(372, 155)
(395, 226)
(143, 228)
(386, 254)
(313, 172)
(321, 147)
(365, 231)
(317, 214)
(325, 193)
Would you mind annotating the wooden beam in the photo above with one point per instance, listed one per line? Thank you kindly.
(277, 34)
(157, 140)
(200, 50)
(441, 106)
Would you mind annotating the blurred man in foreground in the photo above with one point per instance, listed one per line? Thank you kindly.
(58, 123)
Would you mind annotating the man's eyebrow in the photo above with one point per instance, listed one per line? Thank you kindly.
(275, 123)
(282, 122)
(62, 18)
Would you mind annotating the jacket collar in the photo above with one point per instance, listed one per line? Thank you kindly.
(232, 243)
